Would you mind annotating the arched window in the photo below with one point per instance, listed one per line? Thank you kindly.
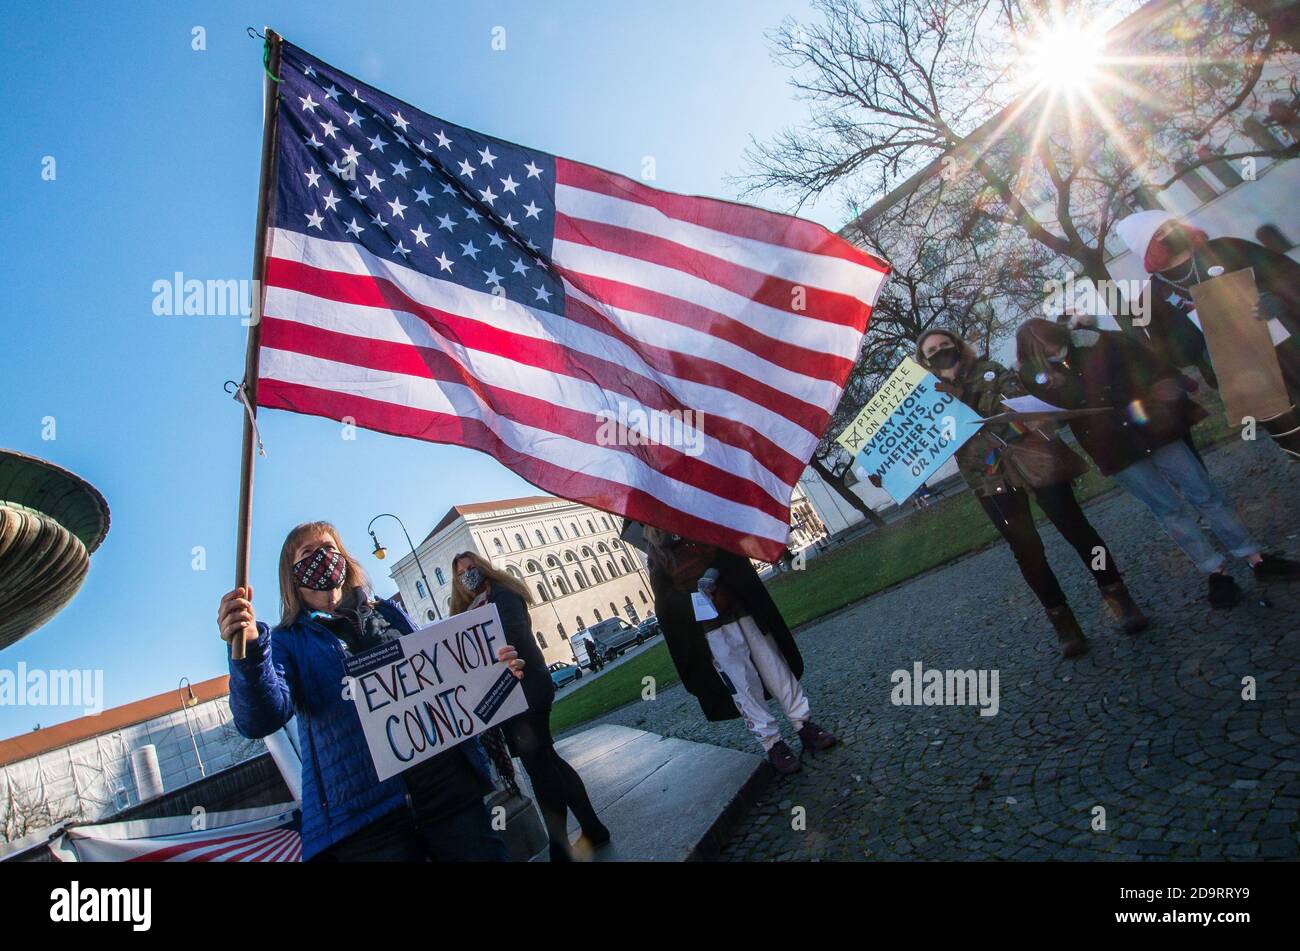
(500, 549)
(552, 561)
(573, 527)
(514, 572)
(437, 573)
(595, 571)
(541, 641)
(613, 611)
(590, 527)
(559, 535)
(559, 629)
(568, 556)
(644, 599)
(560, 583)
(605, 521)
(582, 582)
(602, 548)
(586, 552)
(626, 566)
(430, 616)
(596, 612)
(533, 567)
(420, 589)
(519, 540)
(582, 626)
(541, 593)
(541, 539)
(609, 566)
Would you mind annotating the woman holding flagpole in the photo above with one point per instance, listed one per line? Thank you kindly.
(558, 787)
(433, 811)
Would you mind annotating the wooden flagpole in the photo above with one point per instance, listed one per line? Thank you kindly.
(265, 195)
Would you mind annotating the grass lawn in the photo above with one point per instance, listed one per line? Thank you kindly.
(621, 685)
(877, 560)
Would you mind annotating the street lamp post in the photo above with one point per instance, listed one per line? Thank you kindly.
(380, 551)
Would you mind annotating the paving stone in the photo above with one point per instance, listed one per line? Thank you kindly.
(1152, 728)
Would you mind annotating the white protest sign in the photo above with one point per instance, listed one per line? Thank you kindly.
(424, 693)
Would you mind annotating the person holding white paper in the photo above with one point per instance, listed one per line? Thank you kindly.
(432, 812)
(730, 643)
(1006, 465)
(1142, 441)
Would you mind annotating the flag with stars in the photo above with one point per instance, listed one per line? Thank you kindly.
(671, 359)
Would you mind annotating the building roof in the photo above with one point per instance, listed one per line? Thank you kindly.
(476, 508)
(49, 738)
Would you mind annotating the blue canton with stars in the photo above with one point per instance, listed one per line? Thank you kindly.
(357, 165)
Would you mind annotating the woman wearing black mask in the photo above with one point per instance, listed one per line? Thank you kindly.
(1006, 466)
(431, 812)
(557, 785)
(1141, 441)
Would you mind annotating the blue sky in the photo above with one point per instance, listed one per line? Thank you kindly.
(157, 149)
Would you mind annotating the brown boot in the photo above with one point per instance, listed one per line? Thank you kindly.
(1071, 639)
(1124, 608)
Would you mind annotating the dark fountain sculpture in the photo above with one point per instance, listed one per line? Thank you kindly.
(50, 523)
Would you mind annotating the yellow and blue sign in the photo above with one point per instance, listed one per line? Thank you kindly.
(907, 430)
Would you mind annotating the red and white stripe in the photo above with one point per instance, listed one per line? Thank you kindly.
(673, 303)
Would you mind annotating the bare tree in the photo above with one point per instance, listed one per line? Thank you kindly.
(901, 87)
(28, 812)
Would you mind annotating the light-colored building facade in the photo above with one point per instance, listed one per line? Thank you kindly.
(568, 555)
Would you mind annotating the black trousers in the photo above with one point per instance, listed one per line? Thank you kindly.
(463, 836)
(1011, 513)
(556, 784)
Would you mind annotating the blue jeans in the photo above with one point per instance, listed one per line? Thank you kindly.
(1173, 484)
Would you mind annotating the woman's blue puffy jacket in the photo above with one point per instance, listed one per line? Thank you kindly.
(298, 670)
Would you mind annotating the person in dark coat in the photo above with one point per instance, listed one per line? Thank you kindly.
(432, 811)
(1179, 256)
(731, 663)
(1140, 440)
(557, 785)
(1006, 466)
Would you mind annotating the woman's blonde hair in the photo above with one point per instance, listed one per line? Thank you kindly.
(461, 596)
(290, 600)
(1037, 340)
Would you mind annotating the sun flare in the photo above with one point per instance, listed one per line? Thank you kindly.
(1065, 57)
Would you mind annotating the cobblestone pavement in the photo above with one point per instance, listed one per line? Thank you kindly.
(1153, 729)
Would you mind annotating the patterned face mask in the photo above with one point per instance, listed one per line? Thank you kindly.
(471, 579)
(322, 570)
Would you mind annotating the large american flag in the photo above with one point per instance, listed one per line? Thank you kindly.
(426, 280)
